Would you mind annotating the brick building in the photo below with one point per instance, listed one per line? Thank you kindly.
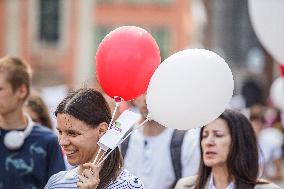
(59, 37)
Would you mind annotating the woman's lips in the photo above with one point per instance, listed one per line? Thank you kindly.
(210, 154)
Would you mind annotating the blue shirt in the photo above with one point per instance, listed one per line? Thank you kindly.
(69, 179)
(30, 166)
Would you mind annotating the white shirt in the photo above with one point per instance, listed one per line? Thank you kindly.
(212, 186)
(68, 179)
(149, 157)
(270, 150)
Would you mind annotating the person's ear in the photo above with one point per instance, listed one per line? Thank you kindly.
(102, 128)
(22, 91)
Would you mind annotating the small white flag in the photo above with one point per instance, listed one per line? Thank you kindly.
(117, 131)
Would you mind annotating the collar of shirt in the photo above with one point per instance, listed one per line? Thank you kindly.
(212, 186)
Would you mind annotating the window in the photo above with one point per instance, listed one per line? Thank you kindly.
(149, 1)
(162, 36)
(101, 32)
(105, 1)
(134, 2)
(49, 20)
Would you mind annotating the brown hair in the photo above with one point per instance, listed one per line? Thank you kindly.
(89, 106)
(36, 104)
(18, 72)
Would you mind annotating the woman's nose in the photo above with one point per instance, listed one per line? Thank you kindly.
(210, 140)
(63, 140)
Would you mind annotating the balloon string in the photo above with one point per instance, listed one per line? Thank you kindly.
(135, 128)
(122, 140)
(99, 164)
(113, 114)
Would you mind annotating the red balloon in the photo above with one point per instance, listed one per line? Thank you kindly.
(282, 70)
(125, 61)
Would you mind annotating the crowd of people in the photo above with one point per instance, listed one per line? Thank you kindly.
(238, 150)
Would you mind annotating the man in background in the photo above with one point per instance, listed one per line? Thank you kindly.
(160, 155)
(30, 153)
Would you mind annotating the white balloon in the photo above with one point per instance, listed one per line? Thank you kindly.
(277, 93)
(267, 17)
(189, 89)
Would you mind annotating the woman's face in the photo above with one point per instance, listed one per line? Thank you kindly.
(215, 143)
(78, 140)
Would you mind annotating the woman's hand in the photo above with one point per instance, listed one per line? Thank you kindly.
(90, 177)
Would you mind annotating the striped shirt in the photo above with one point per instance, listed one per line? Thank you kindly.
(68, 179)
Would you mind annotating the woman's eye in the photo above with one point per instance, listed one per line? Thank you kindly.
(72, 134)
(204, 136)
(219, 135)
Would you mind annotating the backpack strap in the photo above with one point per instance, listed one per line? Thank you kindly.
(175, 148)
(124, 146)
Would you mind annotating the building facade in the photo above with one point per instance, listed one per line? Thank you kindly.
(59, 37)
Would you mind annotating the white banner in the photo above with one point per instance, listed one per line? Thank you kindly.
(117, 131)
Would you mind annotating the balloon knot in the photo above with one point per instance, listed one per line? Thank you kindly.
(118, 99)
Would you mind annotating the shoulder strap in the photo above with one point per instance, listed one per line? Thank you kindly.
(124, 146)
(175, 148)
